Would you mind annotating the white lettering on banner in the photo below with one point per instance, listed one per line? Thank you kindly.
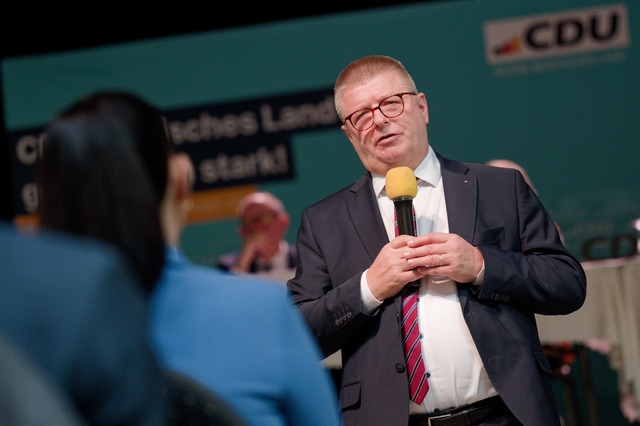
(522, 68)
(28, 148)
(564, 33)
(231, 143)
(238, 167)
(207, 127)
(287, 118)
(298, 117)
(29, 196)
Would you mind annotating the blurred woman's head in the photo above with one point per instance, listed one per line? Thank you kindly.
(103, 174)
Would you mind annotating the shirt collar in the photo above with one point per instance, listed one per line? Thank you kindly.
(174, 256)
(428, 171)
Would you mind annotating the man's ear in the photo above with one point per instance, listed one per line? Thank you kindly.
(181, 175)
(284, 220)
(422, 104)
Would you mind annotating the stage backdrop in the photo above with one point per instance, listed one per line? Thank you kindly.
(552, 85)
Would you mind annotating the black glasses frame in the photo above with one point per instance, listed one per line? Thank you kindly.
(377, 107)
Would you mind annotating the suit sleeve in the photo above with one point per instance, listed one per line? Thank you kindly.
(526, 263)
(329, 301)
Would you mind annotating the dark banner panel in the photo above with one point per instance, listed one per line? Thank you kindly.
(231, 144)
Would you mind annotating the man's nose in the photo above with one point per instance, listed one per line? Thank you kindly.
(379, 118)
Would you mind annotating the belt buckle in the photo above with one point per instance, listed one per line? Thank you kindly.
(440, 417)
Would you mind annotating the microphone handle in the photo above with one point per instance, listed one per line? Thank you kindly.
(404, 215)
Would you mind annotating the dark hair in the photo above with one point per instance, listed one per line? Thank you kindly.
(103, 174)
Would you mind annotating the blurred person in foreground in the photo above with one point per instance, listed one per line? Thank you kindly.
(73, 306)
(487, 258)
(263, 223)
(239, 336)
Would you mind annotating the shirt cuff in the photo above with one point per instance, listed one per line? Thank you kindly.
(369, 302)
(480, 278)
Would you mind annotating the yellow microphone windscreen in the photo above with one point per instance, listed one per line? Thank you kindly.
(401, 182)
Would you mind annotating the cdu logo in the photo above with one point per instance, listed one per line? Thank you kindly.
(562, 33)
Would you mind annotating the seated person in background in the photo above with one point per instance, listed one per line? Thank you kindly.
(238, 335)
(74, 308)
(262, 225)
(508, 164)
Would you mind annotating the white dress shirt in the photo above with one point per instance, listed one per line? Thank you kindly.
(457, 375)
(279, 268)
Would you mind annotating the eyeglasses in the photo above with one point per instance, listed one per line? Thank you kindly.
(262, 219)
(391, 107)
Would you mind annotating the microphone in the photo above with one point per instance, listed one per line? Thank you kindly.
(401, 188)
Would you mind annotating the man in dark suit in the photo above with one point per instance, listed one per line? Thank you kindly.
(73, 307)
(487, 258)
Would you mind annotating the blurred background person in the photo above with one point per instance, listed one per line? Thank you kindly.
(205, 323)
(263, 223)
(74, 307)
(504, 163)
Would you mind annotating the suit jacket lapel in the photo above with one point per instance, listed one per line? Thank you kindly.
(365, 216)
(460, 190)
(460, 195)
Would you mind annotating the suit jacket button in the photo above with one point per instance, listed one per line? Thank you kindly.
(400, 368)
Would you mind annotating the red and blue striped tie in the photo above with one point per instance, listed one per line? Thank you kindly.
(418, 383)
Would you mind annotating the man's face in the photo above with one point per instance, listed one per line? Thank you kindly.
(260, 219)
(389, 142)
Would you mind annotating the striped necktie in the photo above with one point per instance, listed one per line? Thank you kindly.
(418, 384)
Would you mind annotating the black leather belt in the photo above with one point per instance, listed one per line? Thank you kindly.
(466, 415)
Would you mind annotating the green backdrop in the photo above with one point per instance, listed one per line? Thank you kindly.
(569, 114)
(564, 102)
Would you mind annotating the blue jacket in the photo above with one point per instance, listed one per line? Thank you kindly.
(241, 336)
(74, 307)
